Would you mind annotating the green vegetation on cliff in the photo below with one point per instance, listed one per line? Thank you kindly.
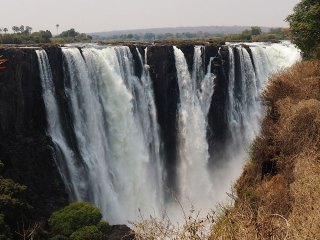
(73, 217)
(305, 27)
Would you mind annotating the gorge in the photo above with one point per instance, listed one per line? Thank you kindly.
(133, 129)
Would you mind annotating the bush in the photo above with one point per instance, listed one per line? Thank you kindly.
(304, 25)
(104, 227)
(74, 217)
(87, 233)
(5, 232)
(59, 237)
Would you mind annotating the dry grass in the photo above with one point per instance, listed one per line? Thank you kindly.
(193, 227)
(284, 203)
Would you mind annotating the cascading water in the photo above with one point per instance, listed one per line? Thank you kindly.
(71, 174)
(116, 135)
(195, 99)
(117, 161)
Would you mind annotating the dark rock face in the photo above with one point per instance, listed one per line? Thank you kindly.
(24, 148)
(166, 93)
(217, 120)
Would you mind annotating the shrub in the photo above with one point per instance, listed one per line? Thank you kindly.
(104, 227)
(59, 237)
(5, 232)
(74, 217)
(87, 233)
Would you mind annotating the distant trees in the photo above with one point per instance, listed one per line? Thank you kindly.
(305, 25)
(15, 29)
(24, 35)
(22, 29)
(256, 30)
(71, 35)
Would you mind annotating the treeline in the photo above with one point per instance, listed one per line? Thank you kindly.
(71, 36)
(253, 34)
(24, 35)
(256, 34)
(162, 36)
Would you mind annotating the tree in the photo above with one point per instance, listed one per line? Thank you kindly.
(256, 30)
(69, 33)
(57, 28)
(73, 217)
(21, 29)
(15, 29)
(5, 30)
(305, 25)
(27, 30)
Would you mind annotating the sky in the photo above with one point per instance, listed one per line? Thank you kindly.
(106, 15)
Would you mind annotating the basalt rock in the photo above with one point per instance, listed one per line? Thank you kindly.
(25, 149)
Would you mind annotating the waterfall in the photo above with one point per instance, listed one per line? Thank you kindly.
(195, 99)
(116, 134)
(115, 159)
(68, 168)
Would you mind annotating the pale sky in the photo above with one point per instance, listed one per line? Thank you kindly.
(107, 15)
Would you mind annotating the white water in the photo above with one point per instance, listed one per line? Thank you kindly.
(67, 165)
(245, 111)
(116, 135)
(195, 99)
(119, 167)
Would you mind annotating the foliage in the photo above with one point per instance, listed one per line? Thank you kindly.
(256, 30)
(87, 233)
(13, 205)
(12, 202)
(5, 232)
(283, 204)
(59, 237)
(104, 227)
(24, 35)
(71, 35)
(73, 217)
(305, 25)
(26, 38)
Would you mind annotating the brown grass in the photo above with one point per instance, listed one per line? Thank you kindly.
(284, 204)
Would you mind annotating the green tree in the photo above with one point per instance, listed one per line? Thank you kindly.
(5, 30)
(69, 33)
(73, 217)
(15, 29)
(305, 25)
(87, 233)
(256, 30)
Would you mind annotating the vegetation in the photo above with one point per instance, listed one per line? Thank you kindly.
(13, 206)
(194, 227)
(24, 35)
(276, 196)
(253, 34)
(304, 26)
(73, 217)
(71, 36)
(87, 233)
